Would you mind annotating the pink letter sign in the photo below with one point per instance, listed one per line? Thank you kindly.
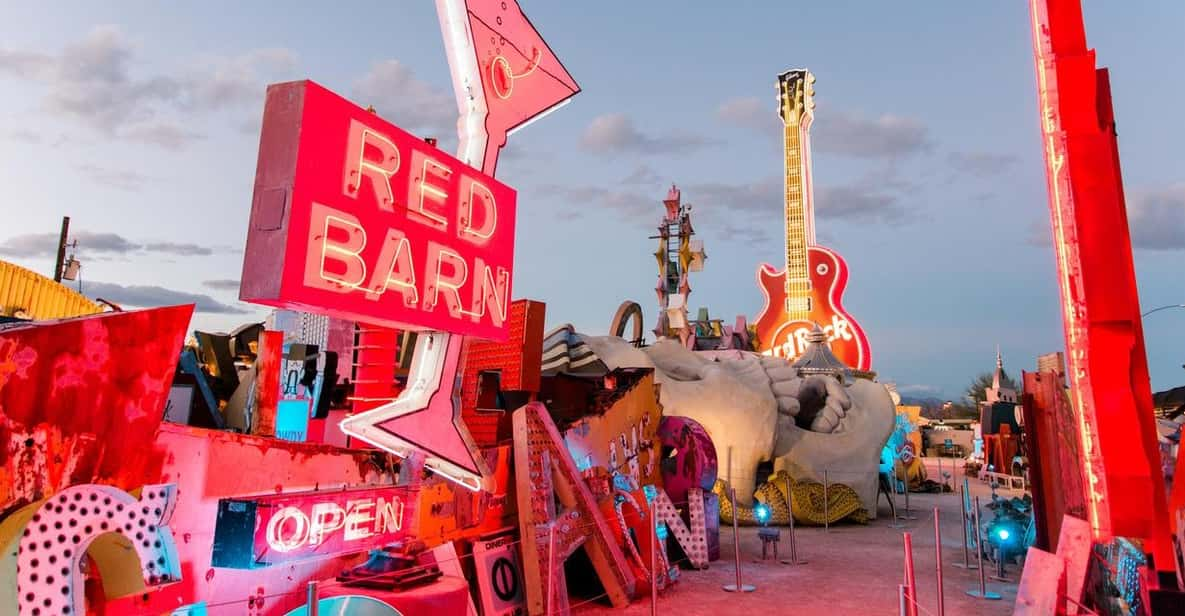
(356, 218)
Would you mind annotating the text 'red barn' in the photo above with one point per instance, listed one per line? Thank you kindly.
(354, 217)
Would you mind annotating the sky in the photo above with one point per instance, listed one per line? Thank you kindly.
(140, 121)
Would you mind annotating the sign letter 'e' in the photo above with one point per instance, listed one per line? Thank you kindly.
(428, 198)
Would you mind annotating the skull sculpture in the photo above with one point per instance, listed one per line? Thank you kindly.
(759, 409)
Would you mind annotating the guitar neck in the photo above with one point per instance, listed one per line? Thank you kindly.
(798, 214)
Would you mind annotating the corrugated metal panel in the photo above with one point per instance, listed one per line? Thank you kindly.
(39, 297)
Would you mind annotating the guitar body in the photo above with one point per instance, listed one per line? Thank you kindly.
(781, 335)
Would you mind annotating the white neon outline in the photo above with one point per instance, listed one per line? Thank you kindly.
(467, 228)
(467, 83)
(317, 528)
(274, 541)
(325, 247)
(426, 379)
(1066, 242)
(373, 293)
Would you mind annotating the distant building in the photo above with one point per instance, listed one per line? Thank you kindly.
(1169, 404)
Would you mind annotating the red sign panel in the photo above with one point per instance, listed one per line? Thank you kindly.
(356, 218)
(268, 530)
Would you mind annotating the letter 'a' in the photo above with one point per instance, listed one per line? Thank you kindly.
(545, 472)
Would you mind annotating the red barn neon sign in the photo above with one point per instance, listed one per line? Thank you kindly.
(354, 217)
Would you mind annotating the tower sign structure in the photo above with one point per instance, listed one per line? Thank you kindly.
(677, 256)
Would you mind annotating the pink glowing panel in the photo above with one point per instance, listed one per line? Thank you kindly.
(504, 73)
(356, 218)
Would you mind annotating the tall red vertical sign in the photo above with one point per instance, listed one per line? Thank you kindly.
(1106, 363)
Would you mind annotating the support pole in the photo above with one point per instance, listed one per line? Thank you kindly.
(902, 601)
(826, 503)
(938, 562)
(654, 559)
(736, 542)
(982, 593)
(550, 568)
(313, 599)
(57, 266)
(911, 586)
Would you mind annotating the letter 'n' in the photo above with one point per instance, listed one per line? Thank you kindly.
(544, 472)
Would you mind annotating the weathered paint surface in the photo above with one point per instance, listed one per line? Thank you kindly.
(81, 398)
(206, 466)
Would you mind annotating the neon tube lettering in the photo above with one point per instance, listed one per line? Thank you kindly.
(378, 172)
(359, 514)
(395, 267)
(390, 515)
(437, 256)
(493, 290)
(325, 223)
(325, 518)
(276, 530)
(489, 218)
(422, 192)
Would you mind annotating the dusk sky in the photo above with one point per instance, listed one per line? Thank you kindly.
(140, 121)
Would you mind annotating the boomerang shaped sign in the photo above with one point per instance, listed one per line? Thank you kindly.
(505, 77)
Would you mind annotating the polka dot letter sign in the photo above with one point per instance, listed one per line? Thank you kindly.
(109, 520)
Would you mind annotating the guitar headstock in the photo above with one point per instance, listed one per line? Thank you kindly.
(796, 95)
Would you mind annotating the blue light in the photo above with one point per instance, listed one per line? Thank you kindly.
(761, 512)
(1003, 534)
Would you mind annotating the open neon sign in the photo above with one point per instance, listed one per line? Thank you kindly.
(354, 217)
(267, 530)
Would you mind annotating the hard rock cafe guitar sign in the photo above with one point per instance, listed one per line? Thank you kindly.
(809, 290)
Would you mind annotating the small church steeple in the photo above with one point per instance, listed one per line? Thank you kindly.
(998, 392)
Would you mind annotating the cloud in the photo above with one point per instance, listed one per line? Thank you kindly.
(223, 284)
(163, 133)
(146, 296)
(750, 112)
(981, 164)
(404, 99)
(121, 179)
(222, 81)
(93, 81)
(853, 134)
(46, 244)
(1157, 219)
(858, 202)
(180, 249)
(24, 135)
(90, 243)
(642, 175)
(919, 390)
(578, 199)
(615, 133)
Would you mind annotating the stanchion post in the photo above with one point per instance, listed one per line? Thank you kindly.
(982, 593)
(736, 542)
(654, 559)
(902, 601)
(313, 598)
(938, 562)
(911, 586)
(966, 564)
(826, 503)
(793, 541)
